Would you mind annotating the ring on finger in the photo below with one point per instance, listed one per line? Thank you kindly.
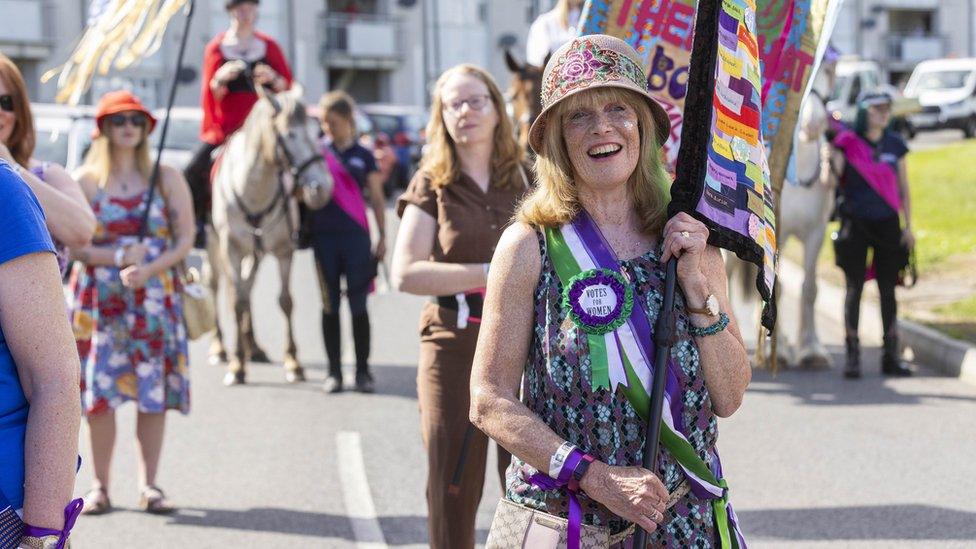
(685, 234)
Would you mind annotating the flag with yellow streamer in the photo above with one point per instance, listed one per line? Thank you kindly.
(119, 34)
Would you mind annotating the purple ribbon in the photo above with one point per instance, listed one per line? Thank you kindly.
(71, 513)
(566, 480)
(600, 252)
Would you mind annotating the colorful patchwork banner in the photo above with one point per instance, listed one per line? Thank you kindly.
(755, 61)
(726, 182)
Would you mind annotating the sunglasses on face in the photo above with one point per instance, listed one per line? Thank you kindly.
(7, 103)
(119, 120)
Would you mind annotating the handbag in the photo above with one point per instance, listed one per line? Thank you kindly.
(519, 527)
(199, 313)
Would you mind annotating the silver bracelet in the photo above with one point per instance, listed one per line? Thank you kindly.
(119, 256)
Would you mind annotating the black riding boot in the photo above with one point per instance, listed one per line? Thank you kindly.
(891, 364)
(333, 349)
(852, 369)
(360, 338)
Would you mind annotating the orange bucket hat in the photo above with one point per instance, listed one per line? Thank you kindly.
(115, 102)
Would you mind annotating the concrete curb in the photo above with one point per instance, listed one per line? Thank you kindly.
(930, 347)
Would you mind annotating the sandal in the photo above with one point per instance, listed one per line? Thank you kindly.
(153, 501)
(96, 502)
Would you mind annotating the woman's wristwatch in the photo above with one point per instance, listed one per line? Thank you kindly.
(710, 309)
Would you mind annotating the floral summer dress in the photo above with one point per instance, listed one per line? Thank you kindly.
(557, 387)
(132, 343)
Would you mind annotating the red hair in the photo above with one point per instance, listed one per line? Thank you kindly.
(22, 139)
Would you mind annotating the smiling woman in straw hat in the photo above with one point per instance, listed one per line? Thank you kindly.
(574, 289)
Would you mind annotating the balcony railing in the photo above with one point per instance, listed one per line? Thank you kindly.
(913, 49)
(361, 39)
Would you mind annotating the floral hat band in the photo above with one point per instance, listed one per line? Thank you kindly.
(589, 62)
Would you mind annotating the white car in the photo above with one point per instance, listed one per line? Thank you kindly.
(64, 134)
(946, 91)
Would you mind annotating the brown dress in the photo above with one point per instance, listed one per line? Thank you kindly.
(469, 223)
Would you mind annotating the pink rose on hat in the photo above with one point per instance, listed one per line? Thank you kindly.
(580, 65)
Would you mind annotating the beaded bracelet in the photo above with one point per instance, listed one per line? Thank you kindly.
(721, 324)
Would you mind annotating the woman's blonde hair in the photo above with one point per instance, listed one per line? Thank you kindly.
(555, 199)
(440, 162)
(562, 8)
(98, 160)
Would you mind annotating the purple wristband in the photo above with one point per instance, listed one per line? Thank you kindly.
(71, 513)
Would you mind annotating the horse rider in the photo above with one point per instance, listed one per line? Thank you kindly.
(234, 62)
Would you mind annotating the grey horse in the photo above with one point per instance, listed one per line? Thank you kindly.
(266, 164)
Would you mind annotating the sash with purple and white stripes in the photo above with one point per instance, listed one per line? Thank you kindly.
(622, 358)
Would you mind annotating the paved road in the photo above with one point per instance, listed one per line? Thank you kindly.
(814, 461)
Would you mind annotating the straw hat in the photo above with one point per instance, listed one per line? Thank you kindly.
(590, 62)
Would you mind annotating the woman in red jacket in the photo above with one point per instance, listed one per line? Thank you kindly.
(234, 62)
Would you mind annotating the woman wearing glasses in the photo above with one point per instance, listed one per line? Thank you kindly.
(453, 213)
(68, 216)
(124, 290)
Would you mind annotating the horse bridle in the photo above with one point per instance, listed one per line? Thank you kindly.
(256, 220)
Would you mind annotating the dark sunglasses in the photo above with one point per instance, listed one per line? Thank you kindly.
(7, 103)
(119, 120)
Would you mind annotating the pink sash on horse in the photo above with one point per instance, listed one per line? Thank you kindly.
(345, 191)
(879, 175)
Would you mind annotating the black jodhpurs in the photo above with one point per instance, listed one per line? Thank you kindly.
(854, 239)
(345, 254)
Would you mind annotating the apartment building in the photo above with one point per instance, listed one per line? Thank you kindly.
(378, 50)
(900, 33)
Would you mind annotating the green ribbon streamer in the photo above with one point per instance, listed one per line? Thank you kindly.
(599, 363)
(682, 451)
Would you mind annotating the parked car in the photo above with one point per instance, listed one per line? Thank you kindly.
(64, 133)
(857, 75)
(61, 133)
(946, 91)
(406, 127)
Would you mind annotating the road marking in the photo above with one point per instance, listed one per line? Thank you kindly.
(355, 492)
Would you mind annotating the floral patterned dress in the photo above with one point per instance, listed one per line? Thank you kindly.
(557, 387)
(132, 342)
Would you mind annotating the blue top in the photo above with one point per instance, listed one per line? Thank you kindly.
(359, 162)
(24, 233)
(860, 200)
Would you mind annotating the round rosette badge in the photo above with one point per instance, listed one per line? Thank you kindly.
(599, 300)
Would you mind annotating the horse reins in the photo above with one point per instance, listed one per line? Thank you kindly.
(256, 220)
